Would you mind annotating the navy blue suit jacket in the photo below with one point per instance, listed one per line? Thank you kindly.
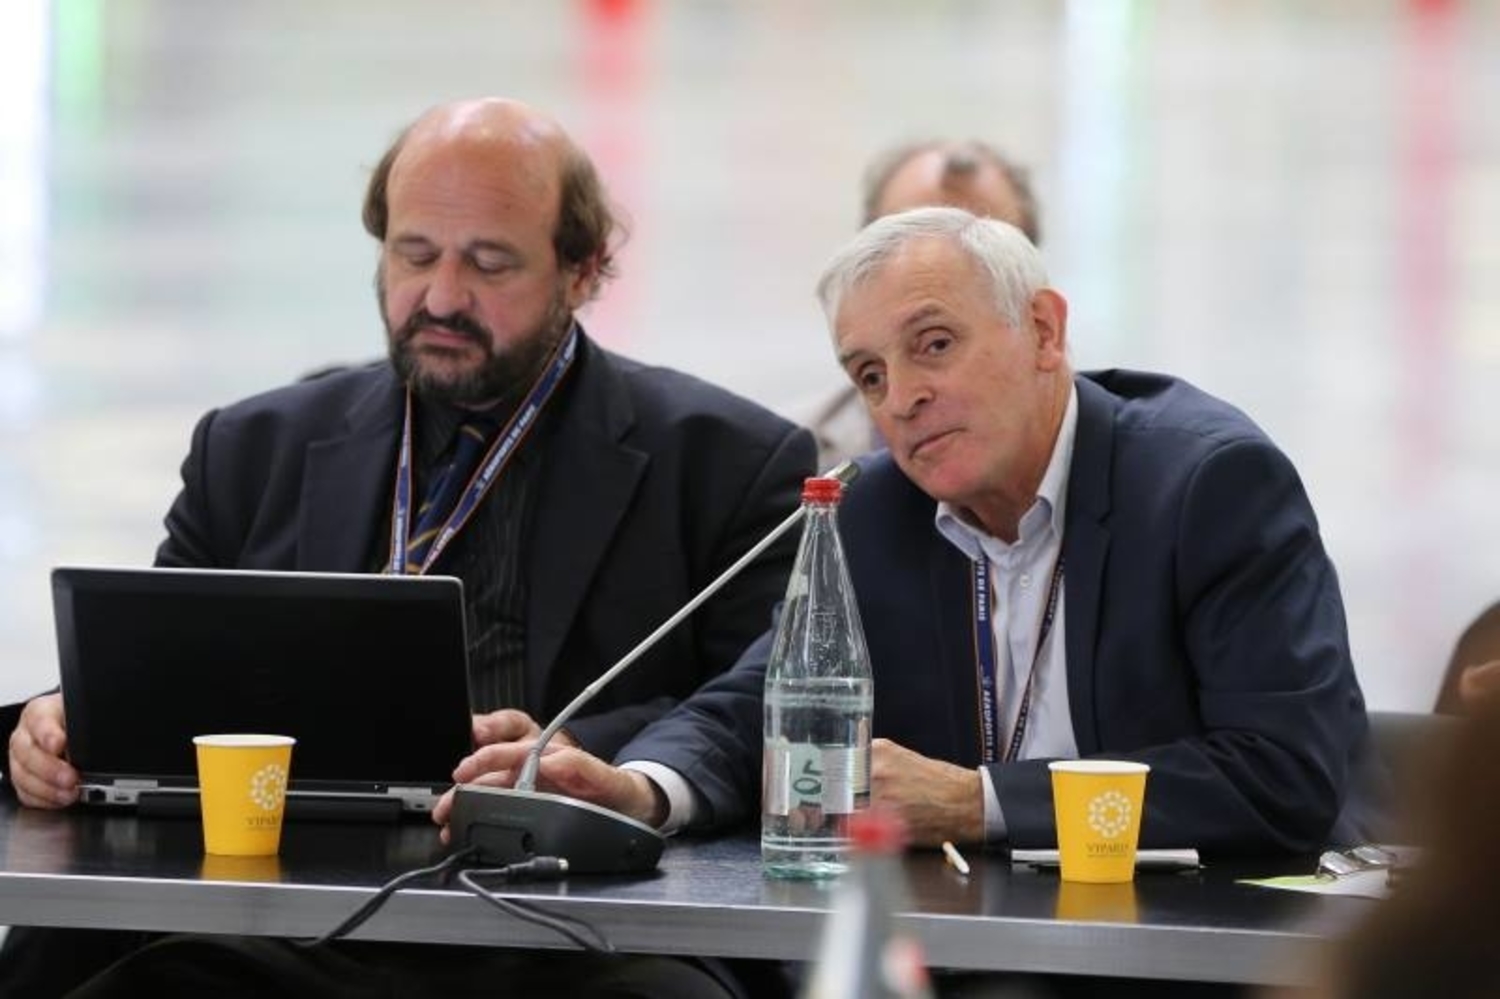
(1205, 634)
(651, 483)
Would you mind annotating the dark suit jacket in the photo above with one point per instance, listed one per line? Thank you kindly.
(652, 482)
(1205, 634)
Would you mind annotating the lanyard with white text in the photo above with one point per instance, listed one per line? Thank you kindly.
(489, 469)
(984, 654)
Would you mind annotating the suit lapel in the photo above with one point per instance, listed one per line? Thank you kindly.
(953, 605)
(574, 522)
(1086, 548)
(347, 485)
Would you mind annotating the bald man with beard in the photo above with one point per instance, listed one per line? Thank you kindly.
(631, 488)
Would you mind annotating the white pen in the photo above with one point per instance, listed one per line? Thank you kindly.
(955, 859)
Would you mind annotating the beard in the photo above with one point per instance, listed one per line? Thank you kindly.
(498, 378)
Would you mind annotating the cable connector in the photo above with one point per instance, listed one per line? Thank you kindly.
(537, 869)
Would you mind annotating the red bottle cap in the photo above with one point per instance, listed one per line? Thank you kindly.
(821, 490)
(877, 830)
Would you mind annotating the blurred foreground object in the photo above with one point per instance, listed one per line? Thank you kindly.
(1437, 934)
(864, 955)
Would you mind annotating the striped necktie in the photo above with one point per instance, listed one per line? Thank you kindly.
(448, 482)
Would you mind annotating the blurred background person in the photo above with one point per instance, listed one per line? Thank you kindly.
(968, 174)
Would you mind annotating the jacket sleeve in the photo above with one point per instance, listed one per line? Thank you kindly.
(1261, 631)
(713, 739)
(188, 522)
(10, 717)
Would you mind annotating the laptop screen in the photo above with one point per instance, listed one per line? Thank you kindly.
(368, 673)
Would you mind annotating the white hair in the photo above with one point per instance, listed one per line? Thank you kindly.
(1002, 251)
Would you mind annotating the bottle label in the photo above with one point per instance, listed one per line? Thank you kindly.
(803, 775)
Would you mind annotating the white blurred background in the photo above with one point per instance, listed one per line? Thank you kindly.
(1293, 204)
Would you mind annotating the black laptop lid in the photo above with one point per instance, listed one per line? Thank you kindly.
(368, 673)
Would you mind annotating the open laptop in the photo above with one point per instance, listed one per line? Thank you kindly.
(368, 673)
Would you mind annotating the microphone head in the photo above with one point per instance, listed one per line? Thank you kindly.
(845, 471)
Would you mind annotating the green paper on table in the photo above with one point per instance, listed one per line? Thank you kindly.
(1360, 884)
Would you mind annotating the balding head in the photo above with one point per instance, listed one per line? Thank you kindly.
(529, 148)
(970, 175)
(490, 119)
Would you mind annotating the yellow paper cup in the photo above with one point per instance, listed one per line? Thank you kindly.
(1096, 903)
(242, 790)
(1098, 806)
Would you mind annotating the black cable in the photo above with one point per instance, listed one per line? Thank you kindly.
(443, 868)
(576, 930)
(539, 868)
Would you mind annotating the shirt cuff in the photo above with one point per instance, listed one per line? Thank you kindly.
(682, 800)
(994, 819)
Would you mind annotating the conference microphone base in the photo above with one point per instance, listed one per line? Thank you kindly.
(509, 826)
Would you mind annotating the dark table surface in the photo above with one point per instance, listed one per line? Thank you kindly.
(88, 869)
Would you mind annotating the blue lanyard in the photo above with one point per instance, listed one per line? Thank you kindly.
(489, 470)
(985, 656)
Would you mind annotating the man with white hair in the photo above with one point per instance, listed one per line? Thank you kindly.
(1159, 588)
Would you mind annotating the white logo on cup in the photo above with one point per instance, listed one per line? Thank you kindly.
(1109, 814)
(268, 785)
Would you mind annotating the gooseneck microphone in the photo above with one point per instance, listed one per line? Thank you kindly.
(510, 825)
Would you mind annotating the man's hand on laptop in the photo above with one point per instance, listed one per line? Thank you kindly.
(510, 725)
(41, 776)
(563, 770)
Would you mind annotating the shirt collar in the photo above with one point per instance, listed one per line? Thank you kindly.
(436, 423)
(1050, 508)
